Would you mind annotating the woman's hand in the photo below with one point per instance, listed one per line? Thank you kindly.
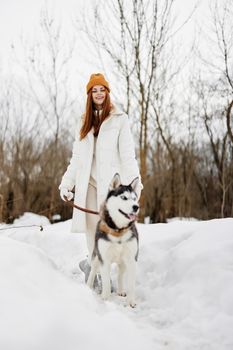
(64, 192)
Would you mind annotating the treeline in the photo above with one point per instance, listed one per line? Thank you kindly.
(182, 119)
(189, 186)
(28, 182)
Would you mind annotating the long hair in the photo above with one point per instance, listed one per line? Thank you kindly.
(92, 120)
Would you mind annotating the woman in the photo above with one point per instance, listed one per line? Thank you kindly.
(103, 146)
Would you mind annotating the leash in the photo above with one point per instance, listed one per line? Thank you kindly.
(9, 228)
(71, 204)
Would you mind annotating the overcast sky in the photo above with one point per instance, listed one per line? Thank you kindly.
(18, 16)
(22, 17)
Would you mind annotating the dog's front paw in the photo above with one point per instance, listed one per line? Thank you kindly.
(131, 301)
(105, 296)
(133, 305)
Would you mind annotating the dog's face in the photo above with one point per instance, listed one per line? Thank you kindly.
(122, 201)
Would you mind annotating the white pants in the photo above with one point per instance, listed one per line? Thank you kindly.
(91, 219)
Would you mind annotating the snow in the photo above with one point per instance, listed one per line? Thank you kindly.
(31, 218)
(184, 290)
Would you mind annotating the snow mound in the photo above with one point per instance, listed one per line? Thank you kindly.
(181, 219)
(188, 273)
(43, 309)
(184, 291)
(31, 219)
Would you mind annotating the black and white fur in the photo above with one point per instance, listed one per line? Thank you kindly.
(116, 240)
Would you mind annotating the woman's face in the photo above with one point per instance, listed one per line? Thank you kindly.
(98, 95)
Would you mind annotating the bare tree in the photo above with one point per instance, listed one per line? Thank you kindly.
(36, 111)
(144, 27)
(216, 94)
(138, 45)
(47, 66)
(221, 39)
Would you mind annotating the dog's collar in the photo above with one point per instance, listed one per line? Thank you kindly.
(105, 228)
(106, 218)
(111, 224)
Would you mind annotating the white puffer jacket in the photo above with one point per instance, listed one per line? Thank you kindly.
(115, 152)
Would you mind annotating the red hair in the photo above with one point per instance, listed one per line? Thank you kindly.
(90, 119)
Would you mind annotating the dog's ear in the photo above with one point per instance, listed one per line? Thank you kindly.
(116, 181)
(134, 184)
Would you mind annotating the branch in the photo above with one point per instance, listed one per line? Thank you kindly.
(228, 117)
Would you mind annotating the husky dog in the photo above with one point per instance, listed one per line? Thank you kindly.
(116, 240)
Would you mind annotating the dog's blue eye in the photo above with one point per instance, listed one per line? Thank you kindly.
(124, 198)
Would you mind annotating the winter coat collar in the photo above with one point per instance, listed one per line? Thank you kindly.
(115, 111)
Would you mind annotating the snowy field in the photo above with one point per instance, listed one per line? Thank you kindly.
(184, 290)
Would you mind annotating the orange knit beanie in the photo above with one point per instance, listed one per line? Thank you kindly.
(97, 79)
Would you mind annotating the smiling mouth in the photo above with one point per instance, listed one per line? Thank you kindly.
(130, 216)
